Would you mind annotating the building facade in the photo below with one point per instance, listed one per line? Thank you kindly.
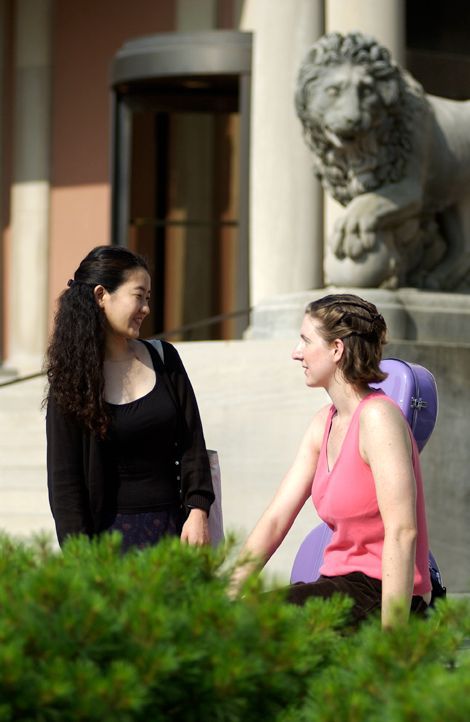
(183, 145)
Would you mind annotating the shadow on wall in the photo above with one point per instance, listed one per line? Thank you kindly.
(445, 460)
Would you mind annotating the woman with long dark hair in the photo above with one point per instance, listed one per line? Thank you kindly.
(360, 463)
(125, 445)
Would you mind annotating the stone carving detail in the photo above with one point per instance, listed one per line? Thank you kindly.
(396, 158)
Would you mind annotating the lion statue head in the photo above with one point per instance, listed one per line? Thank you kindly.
(356, 107)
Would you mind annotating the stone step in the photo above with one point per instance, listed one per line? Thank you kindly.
(22, 416)
(23, 457)
(24, 505)
(25, 477)
(25, 500)
(25, 524)
(17, 436)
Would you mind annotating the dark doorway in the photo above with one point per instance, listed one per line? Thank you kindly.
(179, 198)
(437, 46)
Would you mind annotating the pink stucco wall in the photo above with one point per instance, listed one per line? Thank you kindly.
(87, 34)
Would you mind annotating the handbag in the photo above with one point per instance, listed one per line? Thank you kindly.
(216, 524)
(215, 517)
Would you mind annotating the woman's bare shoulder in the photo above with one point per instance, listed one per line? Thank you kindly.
(381, 408)
(317, 425)
(382, 419)
(322, 414)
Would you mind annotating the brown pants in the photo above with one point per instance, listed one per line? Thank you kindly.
(365, 591)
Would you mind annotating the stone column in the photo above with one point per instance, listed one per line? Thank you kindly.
(27, 327)
(3, 15)
(384, 20)
(286, 251)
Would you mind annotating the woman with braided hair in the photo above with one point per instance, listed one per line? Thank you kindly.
(363, 460)
(125, 445)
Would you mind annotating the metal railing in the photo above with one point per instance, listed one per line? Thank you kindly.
(210, 321)
(19, 379)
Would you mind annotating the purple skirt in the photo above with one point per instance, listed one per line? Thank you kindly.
(147, 528)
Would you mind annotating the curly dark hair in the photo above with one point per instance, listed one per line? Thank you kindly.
(74, 359)
(362, 329)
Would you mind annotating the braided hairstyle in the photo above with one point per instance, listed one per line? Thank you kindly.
(361, 328)
(75, 356)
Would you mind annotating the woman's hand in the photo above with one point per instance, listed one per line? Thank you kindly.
(196, 528)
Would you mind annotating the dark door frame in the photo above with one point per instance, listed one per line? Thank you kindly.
(178, 55)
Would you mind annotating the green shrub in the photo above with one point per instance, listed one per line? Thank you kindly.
(416, 673)
(93, 635)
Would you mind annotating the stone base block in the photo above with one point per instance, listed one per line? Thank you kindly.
(410, 314)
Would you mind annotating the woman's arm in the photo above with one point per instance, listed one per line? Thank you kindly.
(386, 446)
(196, 481)
(67, 491)
(289, 499)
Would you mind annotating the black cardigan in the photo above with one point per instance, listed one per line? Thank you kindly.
(76, 476)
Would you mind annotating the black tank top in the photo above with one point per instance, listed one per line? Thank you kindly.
(141, 452)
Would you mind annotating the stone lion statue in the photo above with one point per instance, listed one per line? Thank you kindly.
(396, 158)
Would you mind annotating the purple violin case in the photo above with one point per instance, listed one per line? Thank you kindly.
(414, 389)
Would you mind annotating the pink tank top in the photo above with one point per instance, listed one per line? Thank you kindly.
(345, 498)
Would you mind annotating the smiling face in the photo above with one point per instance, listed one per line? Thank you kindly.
(127, 306)
(319, 359)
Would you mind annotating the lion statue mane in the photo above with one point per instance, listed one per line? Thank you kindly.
(396, 158)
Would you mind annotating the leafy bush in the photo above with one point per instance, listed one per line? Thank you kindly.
(93, 635)
(417, 673)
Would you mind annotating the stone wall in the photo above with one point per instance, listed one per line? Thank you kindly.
(255, 408)
(446, 458)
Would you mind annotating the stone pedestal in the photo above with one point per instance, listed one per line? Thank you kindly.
(410, 314)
